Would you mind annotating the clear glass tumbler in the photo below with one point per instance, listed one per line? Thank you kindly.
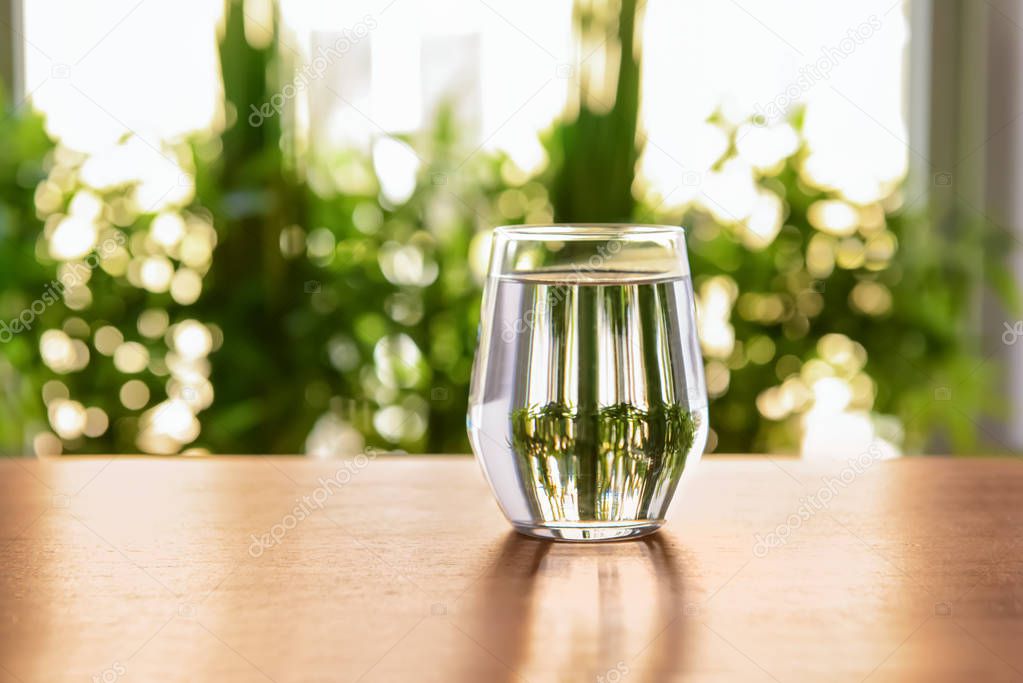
(588, 403)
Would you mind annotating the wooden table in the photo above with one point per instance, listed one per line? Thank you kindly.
(257, 569)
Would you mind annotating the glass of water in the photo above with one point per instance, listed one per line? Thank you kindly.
(588, 404)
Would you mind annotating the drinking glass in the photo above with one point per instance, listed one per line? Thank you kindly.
(588, 404)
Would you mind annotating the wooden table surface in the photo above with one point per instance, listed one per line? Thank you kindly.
(278, 569)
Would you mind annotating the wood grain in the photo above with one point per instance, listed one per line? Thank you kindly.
(138, 569)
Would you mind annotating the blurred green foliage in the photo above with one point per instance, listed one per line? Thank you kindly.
(341, 304)
(331, 316)
(23, 147)
(886, 307)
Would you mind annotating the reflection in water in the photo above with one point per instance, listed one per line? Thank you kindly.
(548, 611)
(625, 472)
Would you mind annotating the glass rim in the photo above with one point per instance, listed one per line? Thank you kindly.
(583, 231)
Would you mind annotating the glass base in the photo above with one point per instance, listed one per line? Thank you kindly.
(590, 532)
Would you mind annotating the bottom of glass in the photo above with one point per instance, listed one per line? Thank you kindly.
(590, 532)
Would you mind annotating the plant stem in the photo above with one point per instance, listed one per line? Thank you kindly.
(650, 312)
(586, 411)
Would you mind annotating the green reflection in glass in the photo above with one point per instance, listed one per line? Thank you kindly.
(635, 459)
